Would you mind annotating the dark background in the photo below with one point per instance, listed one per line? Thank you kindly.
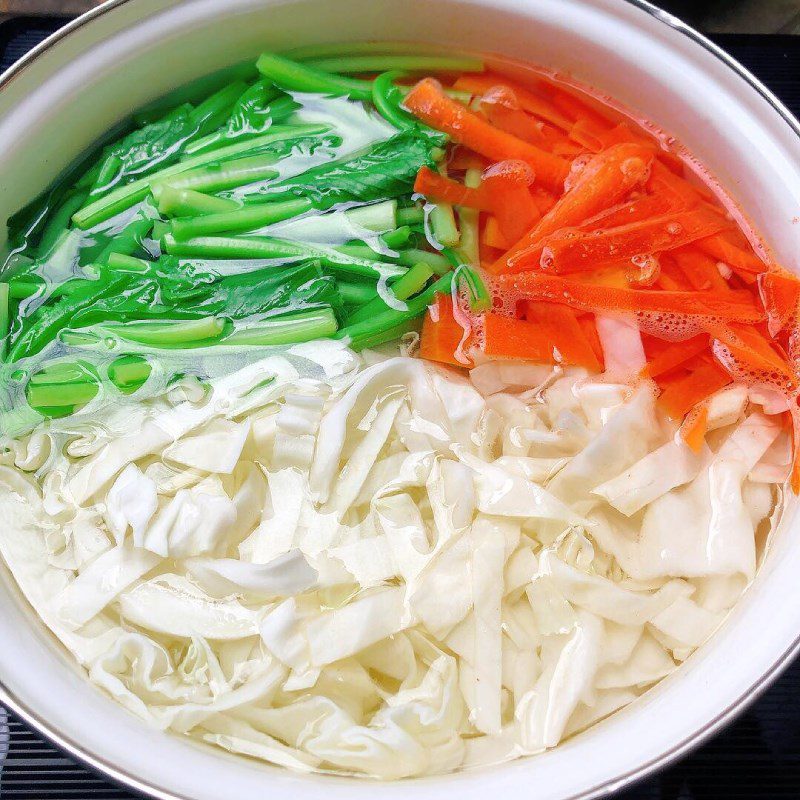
(756, 758)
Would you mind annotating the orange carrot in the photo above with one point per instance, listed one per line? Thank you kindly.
(589, 328)
(604, 182)
(753, 355)
(636, 210)
(666, 183)
(428, 102)
(587, 135)
(780, 294)
(462, 158)
(736, 306)
(493, 236)
(700, 269)
(502, 109)
(675, 354)
(543, 199)
(443, 337)
(577, 109)
(507, 337)
(506, 186)
(574, 251)
(528, 100)
(735, 257)
(565, 332)
(438, 187)
(681, 394)
(693, 430)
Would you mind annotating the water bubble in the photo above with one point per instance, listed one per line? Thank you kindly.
(674, 228)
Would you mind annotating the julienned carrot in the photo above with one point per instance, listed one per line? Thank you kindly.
(574, 251)
(681, 394)
(443, 337)
(562, 326)
(734, 306)
(544, 200)
(694, 428)
(753, 355)
(428, 102)
(780, 294)
(528, 100)
(700, 269)
(636, 210)
(675, 354)
(738, 259)
(506, 186)
(493, 236)
(576, 109)
(462, 158)
(587, 135)
(605, 181)
(666, 183)
(508, 337)
(501, 107)
(438, 187)
(589, 328)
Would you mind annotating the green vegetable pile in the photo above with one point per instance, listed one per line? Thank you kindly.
(260, 206)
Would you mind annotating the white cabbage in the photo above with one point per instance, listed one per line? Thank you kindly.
(374, 565)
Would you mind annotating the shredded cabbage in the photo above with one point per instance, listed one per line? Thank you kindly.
(376, 566)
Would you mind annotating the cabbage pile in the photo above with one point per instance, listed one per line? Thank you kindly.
(372, 565)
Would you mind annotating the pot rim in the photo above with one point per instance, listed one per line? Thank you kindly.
(680, 749)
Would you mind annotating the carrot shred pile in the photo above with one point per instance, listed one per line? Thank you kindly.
(583, 214)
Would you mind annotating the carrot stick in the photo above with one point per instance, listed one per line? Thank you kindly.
(528, 100)
(735, 306)
(604, 182)
(681, 394)
(675, 354)
(438, 187)
(428, 102)
(666, 183)
(543, 199)
(780, 294)
(562, 327)
(589, 328)
(636, 210)
(463, 158)
(442, 336)
(493, 236)
(502, 109)
(753, 355)
(576, 109)
(735, 257)
(574, 251)
(506, 186)
(700, 269)
(693, 430)
(507, 337)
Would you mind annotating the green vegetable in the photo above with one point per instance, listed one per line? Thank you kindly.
(387, 99)
(187, 202)
(169, 333)
(290, 329)
(387, 169)
(5, 317)
(367, 332)
(479, 297)
(404, 287)
(407, 63)
(240, 219)
(44, 396)
(301, 78)
(126, 196)
(228, 175)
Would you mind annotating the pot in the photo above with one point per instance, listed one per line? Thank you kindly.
(114, 59)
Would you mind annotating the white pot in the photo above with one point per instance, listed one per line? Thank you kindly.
(128, 51)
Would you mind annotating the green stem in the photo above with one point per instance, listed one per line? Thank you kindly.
(469, 251)
(53, 395)
(5, 317)
(216, 109)
(479, 297)
(338, 49)
(404, 287)
(386, 97)
(366, 330)
(129, 239)
(356, 293)
(169, 333)
(438, 263)
(407, 63)
(58, 223)
(304, 326)
(189, 203)
(302, 78)
(129, 371)
(123, 198)
(383, 335)
(218, 177)
(246, 218)
(125, 263)
(413, 215)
